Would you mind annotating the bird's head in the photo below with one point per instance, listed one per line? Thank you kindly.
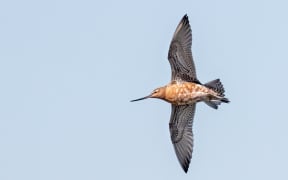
(156, 93)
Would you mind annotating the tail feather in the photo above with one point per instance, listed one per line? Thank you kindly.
(213, 104)
(225, 100)
(216, 86)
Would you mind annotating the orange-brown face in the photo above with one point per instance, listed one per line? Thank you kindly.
(158, 93)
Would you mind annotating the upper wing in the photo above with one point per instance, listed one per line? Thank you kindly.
(181, 133)
(180, 55)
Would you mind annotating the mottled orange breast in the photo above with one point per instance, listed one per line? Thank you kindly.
(181, 93)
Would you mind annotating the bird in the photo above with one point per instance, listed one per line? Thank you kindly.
(184, 91)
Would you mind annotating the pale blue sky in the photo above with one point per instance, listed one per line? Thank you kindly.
(68, 70)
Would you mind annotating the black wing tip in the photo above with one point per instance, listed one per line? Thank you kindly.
(185, 19)
(185, 165)
(185, 168)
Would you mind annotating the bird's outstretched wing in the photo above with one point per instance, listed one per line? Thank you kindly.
(181, 133)
(180, 54)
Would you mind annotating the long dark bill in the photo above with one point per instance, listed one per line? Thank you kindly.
(140, 98)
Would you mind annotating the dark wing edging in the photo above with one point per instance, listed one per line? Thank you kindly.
(180, 54)
(181, 133)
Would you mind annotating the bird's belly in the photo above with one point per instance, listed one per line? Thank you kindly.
(190, 98)
(186, 93)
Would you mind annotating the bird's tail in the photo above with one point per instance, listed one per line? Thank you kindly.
(216, 86)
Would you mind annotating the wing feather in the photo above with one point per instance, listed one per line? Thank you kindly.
(180, 54)
(181, 133)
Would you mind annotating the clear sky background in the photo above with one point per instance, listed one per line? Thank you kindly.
(68, 70)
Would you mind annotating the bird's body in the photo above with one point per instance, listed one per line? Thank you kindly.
(187, 93)
(184, 91)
